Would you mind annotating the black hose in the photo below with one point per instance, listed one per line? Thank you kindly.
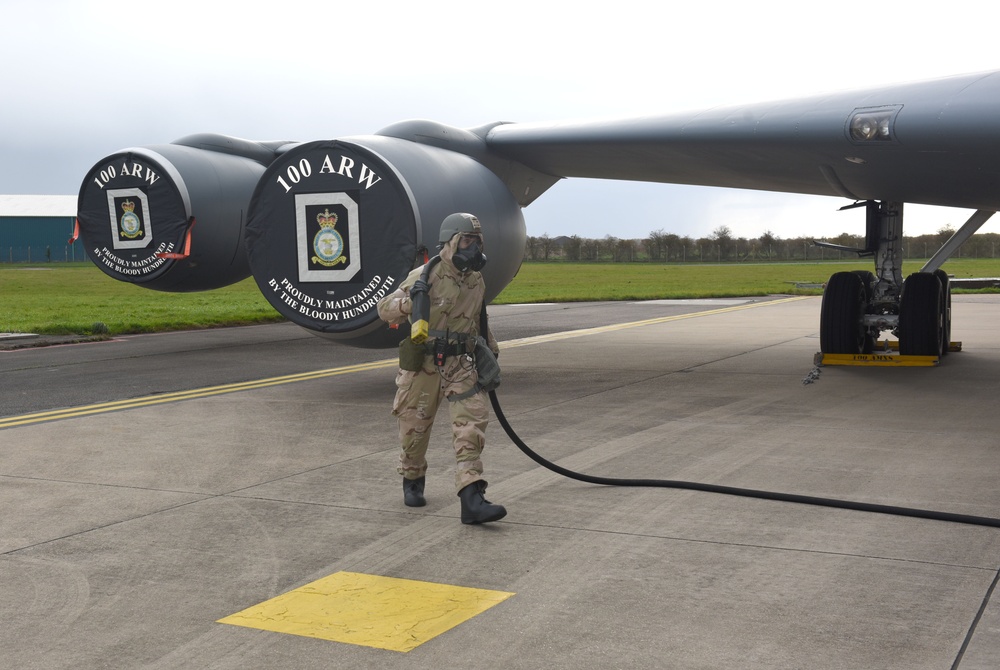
(735, 491)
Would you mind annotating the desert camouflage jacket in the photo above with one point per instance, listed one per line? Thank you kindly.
(456, 298)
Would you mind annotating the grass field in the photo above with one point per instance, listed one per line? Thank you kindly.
(58, 298)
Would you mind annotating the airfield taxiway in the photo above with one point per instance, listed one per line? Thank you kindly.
(153, 486)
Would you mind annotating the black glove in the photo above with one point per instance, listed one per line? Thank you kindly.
(420, 286)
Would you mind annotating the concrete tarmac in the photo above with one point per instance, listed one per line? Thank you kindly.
(153, 485)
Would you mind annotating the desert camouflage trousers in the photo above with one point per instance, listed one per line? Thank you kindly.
(418, 396)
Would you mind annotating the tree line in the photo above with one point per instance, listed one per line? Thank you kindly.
(722, 246)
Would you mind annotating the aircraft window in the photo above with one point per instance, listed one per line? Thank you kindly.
(872, 125)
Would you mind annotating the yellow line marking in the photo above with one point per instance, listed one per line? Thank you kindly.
(146, 401)
(133, 403)
(368, 610)
(567, 334)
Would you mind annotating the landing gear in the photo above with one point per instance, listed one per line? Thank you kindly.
(859, 306)
(851, 325)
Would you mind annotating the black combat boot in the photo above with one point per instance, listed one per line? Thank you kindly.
(413, 492)
(476, 508)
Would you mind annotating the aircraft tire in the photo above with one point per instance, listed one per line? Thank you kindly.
(868, 280)
(840, 327)
(946, 287)
(921, 316)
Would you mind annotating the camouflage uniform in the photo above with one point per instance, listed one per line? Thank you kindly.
(456, 299)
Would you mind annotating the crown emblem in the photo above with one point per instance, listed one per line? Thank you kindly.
(326, 219)
(128, 206)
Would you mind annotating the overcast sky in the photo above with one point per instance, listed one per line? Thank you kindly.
(82, 79)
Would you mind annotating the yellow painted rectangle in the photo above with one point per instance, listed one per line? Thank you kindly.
(368, 610)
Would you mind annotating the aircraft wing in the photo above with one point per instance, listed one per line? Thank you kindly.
(941, 147)
(329, 227)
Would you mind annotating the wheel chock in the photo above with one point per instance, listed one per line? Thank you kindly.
(875, 360)
(886, 355)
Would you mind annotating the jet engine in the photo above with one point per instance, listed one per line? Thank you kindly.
(171, 217)
(327, 228)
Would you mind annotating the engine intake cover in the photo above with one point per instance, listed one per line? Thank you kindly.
(331, 231)
(334, 226)
(139, 204)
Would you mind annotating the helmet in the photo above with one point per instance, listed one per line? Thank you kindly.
(472, 256)
(454, 224)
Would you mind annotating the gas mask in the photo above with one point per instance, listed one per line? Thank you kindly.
(470, 257)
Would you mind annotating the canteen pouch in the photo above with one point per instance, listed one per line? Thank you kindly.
(411, 355)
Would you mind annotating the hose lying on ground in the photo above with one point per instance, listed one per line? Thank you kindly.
(736, 491)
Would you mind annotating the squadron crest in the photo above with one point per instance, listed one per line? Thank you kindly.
(129, 224)
(328, 245)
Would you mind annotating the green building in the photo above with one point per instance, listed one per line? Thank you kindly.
(37, 229)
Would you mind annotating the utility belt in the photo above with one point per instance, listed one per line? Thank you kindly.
(440, 345)
(412, 357)
(446, 344)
